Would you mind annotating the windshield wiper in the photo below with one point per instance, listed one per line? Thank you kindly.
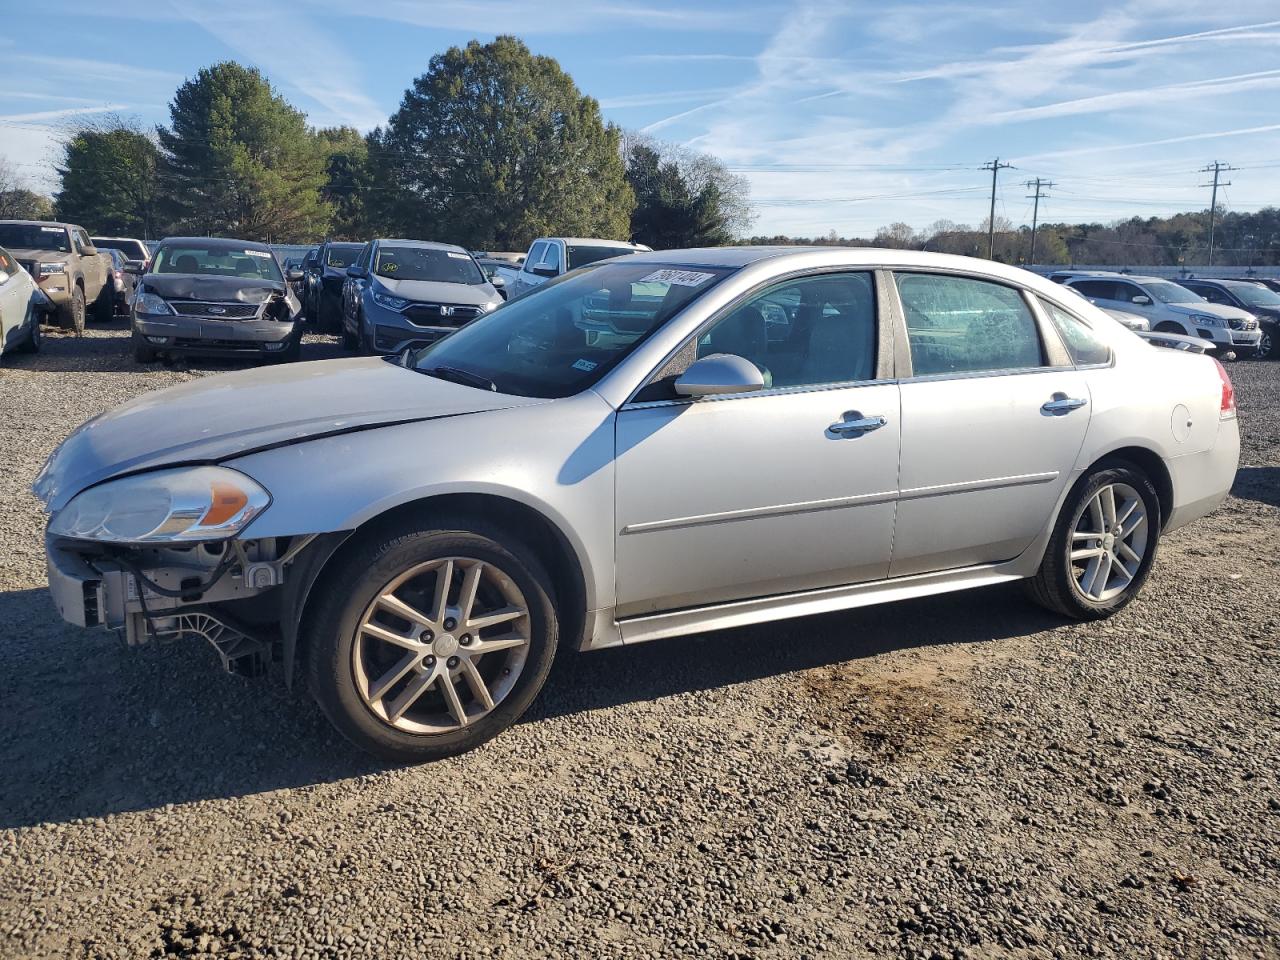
(464, 377)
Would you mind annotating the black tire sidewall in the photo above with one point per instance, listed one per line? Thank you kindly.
(348, 588)
(1069, 589)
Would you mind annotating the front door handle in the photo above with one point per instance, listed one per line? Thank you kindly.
(854, 424)
(1061, 404)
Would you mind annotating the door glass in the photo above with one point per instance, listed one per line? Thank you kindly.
(804, 332)
(959, 325)
(1083, 344)
(534, 257)
(1097, 289)
(551, 257)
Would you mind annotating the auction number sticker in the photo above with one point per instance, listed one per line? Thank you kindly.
(457, 256)
(258, 253)
(680, 278)
(51, 229)
(585, 365)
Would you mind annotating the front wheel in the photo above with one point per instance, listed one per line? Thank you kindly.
(1103, 545)
(432, 641)
(1269, 345)
(72, 314)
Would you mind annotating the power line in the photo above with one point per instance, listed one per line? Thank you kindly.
(1217, 168)
(995, 166)
(1040, 184)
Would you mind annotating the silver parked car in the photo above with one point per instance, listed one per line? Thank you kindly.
(648, 447)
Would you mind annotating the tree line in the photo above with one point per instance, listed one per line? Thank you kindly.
(1240, 239)
(491, 147)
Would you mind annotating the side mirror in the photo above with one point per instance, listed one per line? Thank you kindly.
(719, 374)
(545, 271)
(136, 267)
(293, 274)
(357, 272)
(1142, 300)
(497, 282)
(88, 250)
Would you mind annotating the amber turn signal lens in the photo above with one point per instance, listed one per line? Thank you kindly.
(226, 501)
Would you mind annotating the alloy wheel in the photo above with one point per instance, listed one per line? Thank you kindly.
(1109, 541)
(1265, 346)
(441, 645)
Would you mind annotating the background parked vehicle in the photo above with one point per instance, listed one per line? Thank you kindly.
(583, 467)
(549, 257)
(66, 266)
(325, 280)
(402, 293)
(490, 266)
(215, 298)
(123, 279)
(1260, 301)
(1170, 308)
(22, 307)
(132, 248)
(1271, 283)
(1130, 321)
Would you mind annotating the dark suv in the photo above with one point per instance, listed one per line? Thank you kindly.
(1257, 299)
(323, 288)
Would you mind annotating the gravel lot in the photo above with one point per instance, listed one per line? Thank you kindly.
(963, 776)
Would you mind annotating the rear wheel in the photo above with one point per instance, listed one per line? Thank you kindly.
(437, 640)
(1102, 546)
(71, 316)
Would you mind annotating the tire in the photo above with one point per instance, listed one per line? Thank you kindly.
(71, 314)
(351, 341)
(362, 681)
(1062, 584)
(34, 338)
(104, 307)
(143, 352)
(292, 352)
(365, 338)
(1268, 346)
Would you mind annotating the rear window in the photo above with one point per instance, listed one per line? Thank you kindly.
(343, 255)
(132, 249)
(580, 256)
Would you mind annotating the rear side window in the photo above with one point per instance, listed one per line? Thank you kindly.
(1085, 346)
(1097, 289)
(964, 325)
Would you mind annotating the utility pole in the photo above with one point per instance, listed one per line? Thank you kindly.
(995, 166)
(1216, 168)
(1039, 184)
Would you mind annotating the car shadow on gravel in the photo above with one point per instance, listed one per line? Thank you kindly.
(92, 729)
(1261, 484)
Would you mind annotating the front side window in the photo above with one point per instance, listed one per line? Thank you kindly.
(1167, 292)
(1213, 295)
(426, 263)
(551, 256)
(1085, 346)
(963, 325)
(564, 335)
(217, 261)
(535, 256)
(1126, 292)
(803, 332)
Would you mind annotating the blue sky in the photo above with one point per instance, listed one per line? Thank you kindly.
(844, 116)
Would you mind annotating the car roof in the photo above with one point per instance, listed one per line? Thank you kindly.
(422, 244)
(43, 223)
(343, 243)
(1224, 281)
(103, 236)
(215, 243)
(595, 242)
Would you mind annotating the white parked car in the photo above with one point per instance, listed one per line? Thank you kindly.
(1171, 308)
(660, 445)
(551, 257)
(22, 307)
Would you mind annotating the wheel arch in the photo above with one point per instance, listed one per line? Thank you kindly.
(1151, 463)
(542, 535)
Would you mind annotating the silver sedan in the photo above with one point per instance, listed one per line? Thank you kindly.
(650, 447)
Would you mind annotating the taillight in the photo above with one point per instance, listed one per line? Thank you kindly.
(1228, 407)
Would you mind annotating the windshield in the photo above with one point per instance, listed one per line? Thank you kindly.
(1167, 292)
(132, 249)
(343, 255)
(217, 261)
(563, 336)
(33, 236)
(427, 263)
(580, 256)
(1256, 296)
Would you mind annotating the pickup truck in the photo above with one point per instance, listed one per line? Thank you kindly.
(549, 257)
(66, 266)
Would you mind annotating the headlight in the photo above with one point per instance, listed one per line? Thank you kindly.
(145, 302)
(178, 505)
(49, 269)
(388, 301)
(1204, 320)
(491, 305)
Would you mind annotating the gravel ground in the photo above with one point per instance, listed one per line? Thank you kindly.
(963, 776)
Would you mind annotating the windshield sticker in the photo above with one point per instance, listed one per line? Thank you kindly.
(51, 230)
(586, 366)
(680, 278)
(457, 256)
(258, 253)
(388, 267)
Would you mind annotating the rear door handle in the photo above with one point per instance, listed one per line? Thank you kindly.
(854, 424)
(1061, 404)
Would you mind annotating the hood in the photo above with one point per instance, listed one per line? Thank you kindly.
(431, 291)
(1211, 310)
(229, 415)
(186, 286)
